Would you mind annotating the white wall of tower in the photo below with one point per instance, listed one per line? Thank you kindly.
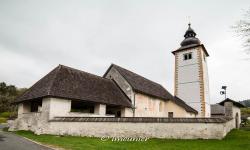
(206, 83)
(189, 78)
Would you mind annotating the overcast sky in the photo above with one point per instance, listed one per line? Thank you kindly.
(36, 36)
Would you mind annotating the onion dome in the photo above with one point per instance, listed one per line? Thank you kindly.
(190, 38)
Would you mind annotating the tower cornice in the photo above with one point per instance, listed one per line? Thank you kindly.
(183, 48)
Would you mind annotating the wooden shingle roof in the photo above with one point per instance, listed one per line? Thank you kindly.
(234, 102)
(184, 105)
(141, 84)
(217, 109)
(68, 83)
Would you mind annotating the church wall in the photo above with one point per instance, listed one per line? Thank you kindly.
(147, 106)
(177, 110)
(188, 82)
(237, 110)
(206, 83)
(123, 84)
(127, 112)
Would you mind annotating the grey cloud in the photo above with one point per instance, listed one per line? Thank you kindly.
(139, 35)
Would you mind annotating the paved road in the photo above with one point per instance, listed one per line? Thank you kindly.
(10, 141)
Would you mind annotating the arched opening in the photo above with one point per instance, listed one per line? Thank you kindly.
(237, 120)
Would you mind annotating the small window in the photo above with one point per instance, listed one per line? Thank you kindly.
(113, 110)
(187, 56)
(83, 107)
(170, 115)
(34, 106)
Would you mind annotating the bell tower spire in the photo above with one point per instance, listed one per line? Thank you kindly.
(191, 74)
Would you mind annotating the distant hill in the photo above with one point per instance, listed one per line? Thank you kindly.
(246, 102)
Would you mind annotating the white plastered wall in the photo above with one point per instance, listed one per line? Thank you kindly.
(147, 106)
(188, 86)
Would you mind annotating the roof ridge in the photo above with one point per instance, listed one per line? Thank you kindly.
(141, 84)
(78, 70)
(137, 74)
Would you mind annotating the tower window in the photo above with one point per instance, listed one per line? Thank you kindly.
(187, 56)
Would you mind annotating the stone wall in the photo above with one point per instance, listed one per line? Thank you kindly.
(48, 121)
(150, 130)
(174, 128)
(236, 110)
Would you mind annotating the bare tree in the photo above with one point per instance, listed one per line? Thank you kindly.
(242, 28)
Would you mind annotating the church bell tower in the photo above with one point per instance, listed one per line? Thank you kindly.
(191, 74)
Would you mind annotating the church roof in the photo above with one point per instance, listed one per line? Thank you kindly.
(141, 84)
(190, 37)
(68, 83)
(217, 109)
(234, 102)
(184, 105)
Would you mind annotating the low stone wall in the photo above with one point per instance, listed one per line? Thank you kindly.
(175, 128)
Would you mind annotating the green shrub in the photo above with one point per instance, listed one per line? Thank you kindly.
(248, 122)
(5, 114)
(3, 120)
(245, 111)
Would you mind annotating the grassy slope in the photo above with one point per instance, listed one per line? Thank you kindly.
(235, 140)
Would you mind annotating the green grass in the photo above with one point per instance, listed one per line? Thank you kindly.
(235, 140)
(3, 120)
(5, 114)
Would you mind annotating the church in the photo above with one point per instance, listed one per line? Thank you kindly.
(69, 97)
(123, 93)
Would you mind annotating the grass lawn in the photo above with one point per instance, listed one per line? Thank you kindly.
(235, 140)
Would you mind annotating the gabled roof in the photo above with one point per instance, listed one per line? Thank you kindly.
(184, 105)
(141, 84)
(68, 83)
(234, 102)
(217, 109)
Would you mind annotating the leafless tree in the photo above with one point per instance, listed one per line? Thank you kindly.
(242, 28)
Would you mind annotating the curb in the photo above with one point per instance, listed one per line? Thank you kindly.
(38, 143)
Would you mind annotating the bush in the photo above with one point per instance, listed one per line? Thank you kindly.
(5, 114)
(245, 111)
(3, 120)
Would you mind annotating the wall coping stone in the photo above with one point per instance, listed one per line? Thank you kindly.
(142, 119)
